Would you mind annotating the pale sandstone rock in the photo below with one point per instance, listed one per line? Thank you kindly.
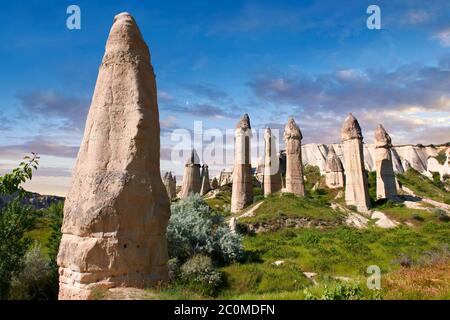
(214, 183)
(117, 209)
(356, 188)
(206, 186)
(170, 183)
(403, 157)
(294, 167)
(242, 190)
(272, 177)
(192, 182)
(386, 185)
(334, 171)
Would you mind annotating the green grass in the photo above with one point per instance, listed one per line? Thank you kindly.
(41, 233)
(282, 206)
(222, 200)
(422, 186)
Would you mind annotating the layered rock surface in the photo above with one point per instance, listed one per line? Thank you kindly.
(206, 186)
(272, 177)
(294, 166)
(192, 182)
(242, 189)
(334, 171)
(386, 185)
(117, 209)
(356, 187)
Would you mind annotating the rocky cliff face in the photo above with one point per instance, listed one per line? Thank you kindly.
(403, 157)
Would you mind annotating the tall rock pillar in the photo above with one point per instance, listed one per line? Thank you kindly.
(356, 188)
(242, 190)
(206, 186)
(294, 167)
(192, 181)
(272, 177)
(334, 171)
(116, 212)
(386, 186)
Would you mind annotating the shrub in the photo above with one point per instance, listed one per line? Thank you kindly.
(441, 215)
(193, 229)
(343, 292)
(15, 221)
(199, 273)
(337, 292)
(34, 282)
(417, 217)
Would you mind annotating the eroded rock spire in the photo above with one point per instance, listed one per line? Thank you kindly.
(356, 188)
(117, 209)
(294, 167)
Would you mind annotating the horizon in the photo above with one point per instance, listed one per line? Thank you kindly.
(314, 61)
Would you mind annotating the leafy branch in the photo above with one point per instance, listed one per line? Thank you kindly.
(10, 182)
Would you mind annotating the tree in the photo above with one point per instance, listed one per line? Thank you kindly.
(15, 221)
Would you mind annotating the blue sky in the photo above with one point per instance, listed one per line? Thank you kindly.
(215, 60)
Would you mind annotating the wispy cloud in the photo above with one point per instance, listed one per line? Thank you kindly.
(41, 145)
(50, 105)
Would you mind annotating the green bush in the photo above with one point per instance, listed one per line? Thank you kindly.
(34, 281)
(15, 221)
(441, 215)
(338, 292)
(199, 274)
(194, 229)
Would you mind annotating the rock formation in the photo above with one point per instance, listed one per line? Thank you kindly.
(334, 171)
(117, 209)
(356, 188)
(242, 190)
(214, 183)
(294, 167)
(386, 186)
(192, 182)
(272, 177)
(170, 183)
(206, 187)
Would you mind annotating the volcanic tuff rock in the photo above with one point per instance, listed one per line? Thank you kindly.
(334, 171)
(242, 190)
(294, 167)
(272, 177)
(206, 186)
(356, 187)
(116, 212)
(386, 185)
(170, 182)
(192, 182)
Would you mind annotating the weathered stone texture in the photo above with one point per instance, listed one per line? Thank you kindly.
(294, 167)
(272, 177)
(356, 187)
(386, 186)
(334, 171)
(242, 190)
(117, 209)
(192, 182)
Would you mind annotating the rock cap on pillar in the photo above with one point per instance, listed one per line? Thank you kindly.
(351, 129)
(382, 138)
(292, 130)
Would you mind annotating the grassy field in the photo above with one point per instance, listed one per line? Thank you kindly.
(413, 257)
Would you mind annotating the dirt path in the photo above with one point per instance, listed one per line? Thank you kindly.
(251, 212)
